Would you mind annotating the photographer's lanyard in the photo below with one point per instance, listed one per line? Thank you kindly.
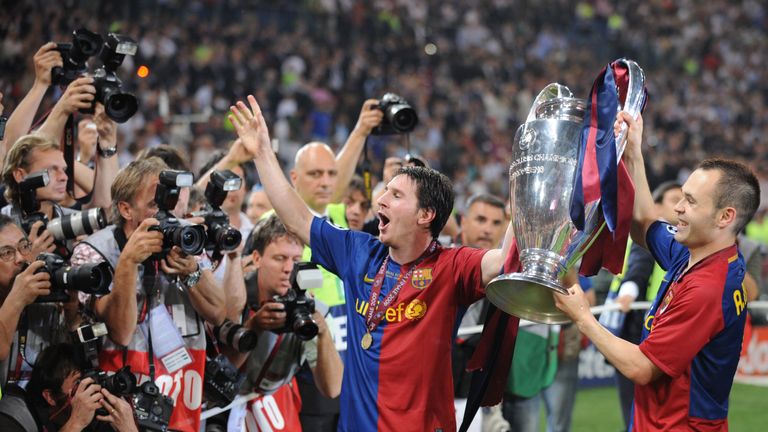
(149, 285)
(69, 153)
(268, 361)
(376, 308)
(367, 172)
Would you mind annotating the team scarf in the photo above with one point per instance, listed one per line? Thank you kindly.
(599, 174)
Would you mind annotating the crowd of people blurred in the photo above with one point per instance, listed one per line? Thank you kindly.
(471, 68)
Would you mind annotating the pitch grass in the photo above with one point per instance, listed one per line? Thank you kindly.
(597, 410)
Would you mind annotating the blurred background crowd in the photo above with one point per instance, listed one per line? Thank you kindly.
(470, 67)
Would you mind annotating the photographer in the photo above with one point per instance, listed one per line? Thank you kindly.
(271, 366)
(20, 121)
(182, 292)
(58, 400)
(19, 287)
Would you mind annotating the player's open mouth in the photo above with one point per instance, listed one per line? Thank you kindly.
(383, 221)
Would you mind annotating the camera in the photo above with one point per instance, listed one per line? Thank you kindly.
(222, 380)
(121, 383)
(235, 335)
(299, 307)
(222, 237)
(118, 105)
(189, 238)
(88, 278)
(85, 44)
(30, 206)
(399, 116)
(152, 409)
(73, 225)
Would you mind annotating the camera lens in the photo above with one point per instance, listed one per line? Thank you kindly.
(304, 326)
(235, 336)
(123, 382)
(402, 117)
(191, 239)
(227, 237)
(120, 106)
(88, 278)
(70, 226)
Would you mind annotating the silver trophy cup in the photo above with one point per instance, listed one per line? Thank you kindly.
(541, 180)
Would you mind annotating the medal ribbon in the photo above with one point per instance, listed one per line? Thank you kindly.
(375, 313)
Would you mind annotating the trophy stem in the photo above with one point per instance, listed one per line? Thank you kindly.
(542, 264)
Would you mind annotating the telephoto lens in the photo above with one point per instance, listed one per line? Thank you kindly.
(73, 225)
(235, 336)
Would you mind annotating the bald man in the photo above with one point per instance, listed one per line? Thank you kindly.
(314, 175)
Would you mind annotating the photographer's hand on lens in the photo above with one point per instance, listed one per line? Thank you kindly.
(78, 95)
(42, 242)
(28, 286)
(119, 412)
(178, 263)
(45, 59)
(322, 326)
(143, 243)
(85, 402)
(370, 117)
(251, 127)
(270, 316)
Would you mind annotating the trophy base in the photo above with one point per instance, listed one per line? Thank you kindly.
(527, 297)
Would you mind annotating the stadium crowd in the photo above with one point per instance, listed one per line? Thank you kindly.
(219, 316)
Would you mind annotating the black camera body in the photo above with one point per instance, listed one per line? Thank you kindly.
(85, 44)
(399, 116)
(118, 105)
(88, 278)
(190, 238)
(30, 206)
(151, 408)
(222, 236)
(222, 380)
(121, 383)
(298, 306)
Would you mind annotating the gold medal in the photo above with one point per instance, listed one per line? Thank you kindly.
(366, 341)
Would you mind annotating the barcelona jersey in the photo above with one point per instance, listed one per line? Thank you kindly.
(693, 333)
(403, 381)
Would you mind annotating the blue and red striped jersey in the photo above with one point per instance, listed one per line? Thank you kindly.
(693, 333)
(403, 381)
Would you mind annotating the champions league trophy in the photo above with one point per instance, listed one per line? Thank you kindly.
(541, 179)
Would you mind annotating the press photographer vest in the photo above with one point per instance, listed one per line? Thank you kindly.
(185, 385)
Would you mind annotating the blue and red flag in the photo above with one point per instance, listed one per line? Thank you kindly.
(600, 176)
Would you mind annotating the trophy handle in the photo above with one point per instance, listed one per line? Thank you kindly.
(633, 102)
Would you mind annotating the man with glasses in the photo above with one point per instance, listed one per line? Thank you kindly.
(19, 287)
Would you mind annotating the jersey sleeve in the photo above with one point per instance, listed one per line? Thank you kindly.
(660, 240)
(693, 317)
(334, 248)
(468, 274)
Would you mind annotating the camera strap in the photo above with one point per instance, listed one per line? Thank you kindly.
(367, 171)
(69, 153)
(148, 282)
(269, 360)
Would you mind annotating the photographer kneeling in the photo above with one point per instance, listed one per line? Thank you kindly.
(57, 399)
(288, 336)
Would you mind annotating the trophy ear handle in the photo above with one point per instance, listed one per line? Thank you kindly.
(634, 99)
